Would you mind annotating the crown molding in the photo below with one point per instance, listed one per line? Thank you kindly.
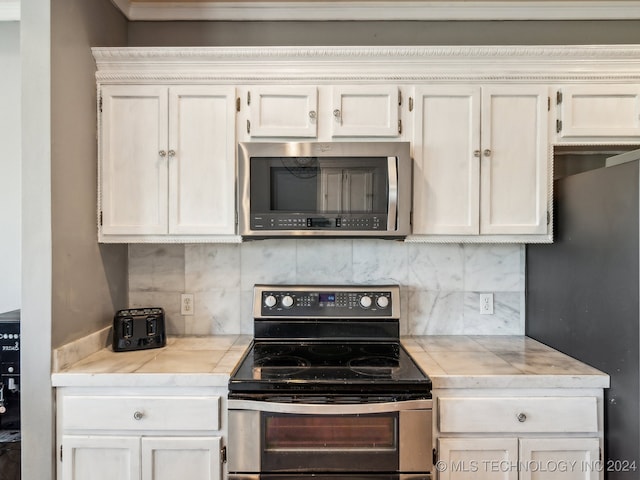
(10, 11)
(381, 10)
(403, 64)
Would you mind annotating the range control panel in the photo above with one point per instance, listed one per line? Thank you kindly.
(327, 301)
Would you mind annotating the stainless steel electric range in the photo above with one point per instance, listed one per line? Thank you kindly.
(326, 389)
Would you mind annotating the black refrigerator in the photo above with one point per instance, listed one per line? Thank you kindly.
(583, 294)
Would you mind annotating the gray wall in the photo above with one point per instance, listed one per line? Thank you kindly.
(10, 166)
(89, 280)
(70, 286)
(383, 33)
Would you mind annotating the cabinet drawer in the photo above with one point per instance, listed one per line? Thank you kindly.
(514, 414)
(81, 412)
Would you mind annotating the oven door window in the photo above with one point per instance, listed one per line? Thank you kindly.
(330, 442)
(319, 185)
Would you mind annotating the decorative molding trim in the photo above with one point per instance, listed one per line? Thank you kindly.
(382, 10)
(618, 63)
(10, 11)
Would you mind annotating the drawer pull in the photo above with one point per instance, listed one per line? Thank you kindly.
(138, 415)
(522, 417)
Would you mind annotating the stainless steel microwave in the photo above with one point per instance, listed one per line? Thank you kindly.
(341, 189)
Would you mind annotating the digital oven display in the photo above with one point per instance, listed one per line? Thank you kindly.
(327, 297)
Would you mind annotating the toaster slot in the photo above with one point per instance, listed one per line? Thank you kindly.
(127, 328)
(152, 326)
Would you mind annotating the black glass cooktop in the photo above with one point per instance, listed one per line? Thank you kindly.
(328, 367)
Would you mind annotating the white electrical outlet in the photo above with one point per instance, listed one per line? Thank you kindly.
(186, 304)
(486, 304)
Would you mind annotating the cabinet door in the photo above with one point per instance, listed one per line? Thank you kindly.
(559, 459)
(599, 111)
(477, 459)
(202, 167)
(365, 111)
(446, 172)
(89, 457)
(283, 111)
(514, 165)
(133, 160)
(171, 458)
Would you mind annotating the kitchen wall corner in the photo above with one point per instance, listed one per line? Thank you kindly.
(440, 284)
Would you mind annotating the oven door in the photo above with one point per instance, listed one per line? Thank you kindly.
(376, 439)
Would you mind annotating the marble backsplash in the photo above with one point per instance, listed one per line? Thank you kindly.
(440, 284)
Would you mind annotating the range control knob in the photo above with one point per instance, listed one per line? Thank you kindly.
(287, 301)
(382, 302)
(270, 301)
(365, 301)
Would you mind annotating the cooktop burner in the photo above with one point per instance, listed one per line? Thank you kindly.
(328, 367)
(327, 341)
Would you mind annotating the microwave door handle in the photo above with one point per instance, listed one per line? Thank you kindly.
(392, 207)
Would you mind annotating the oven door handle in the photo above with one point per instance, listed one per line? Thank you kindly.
(329, 409)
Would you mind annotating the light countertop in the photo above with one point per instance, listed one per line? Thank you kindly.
(461, 361)
(451, 361)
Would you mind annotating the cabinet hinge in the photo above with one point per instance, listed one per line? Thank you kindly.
(248, 98)
(60, 452)
(238, 104)
(223, 455)
(435, 456)
(100, 103)
(399, 98)
(548, 218)
(399, 127)
(100, 218)
(411, 104)
(558, 126)
(558, 97)
(600, 453)
(548, 104)
(248, 126)
(236, 218)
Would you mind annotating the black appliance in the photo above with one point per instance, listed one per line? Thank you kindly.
(10, 434)
(583, 293)
(138, 329)
(327, 390)
(10, 371)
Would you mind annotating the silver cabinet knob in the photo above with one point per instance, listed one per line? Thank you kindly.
(522, 417)
(172, 153)
(337, 113)
(138, 415)
(312, 114)
(162, 153)
(476, 153)
(487, 152)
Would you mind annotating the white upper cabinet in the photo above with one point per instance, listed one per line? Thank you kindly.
(282, 111)
(365, 110)
(167, 162)
(134, 160)
(481, 161)
(515, 154)
(322, 112)
(588, 113)
(446, 175)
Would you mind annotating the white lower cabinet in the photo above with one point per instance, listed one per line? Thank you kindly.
(519, 436)
(518, 458)
(139, 435)
(146, 458)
